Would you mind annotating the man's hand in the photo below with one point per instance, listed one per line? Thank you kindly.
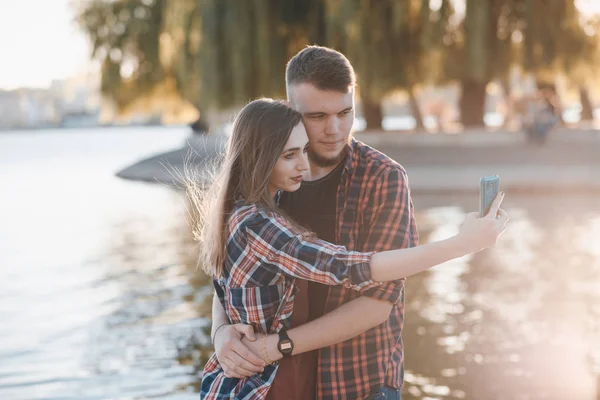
(264, 343)
(237, 360)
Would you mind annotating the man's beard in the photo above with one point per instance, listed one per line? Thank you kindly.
(324, 162)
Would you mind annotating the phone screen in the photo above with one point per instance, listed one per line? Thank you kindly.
(488, 190)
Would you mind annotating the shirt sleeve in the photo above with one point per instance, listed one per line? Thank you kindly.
(390, 225)
(279, 245)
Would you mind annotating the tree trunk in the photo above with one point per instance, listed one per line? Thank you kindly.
(508, 102)
(416, 110)
(472, 103)
(372, 113)
(587, 112)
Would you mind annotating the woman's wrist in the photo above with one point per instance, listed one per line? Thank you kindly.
(461, 245)
(215, 331)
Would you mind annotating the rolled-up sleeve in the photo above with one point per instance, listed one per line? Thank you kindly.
(279, 245)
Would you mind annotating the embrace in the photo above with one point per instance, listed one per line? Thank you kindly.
(309, 235)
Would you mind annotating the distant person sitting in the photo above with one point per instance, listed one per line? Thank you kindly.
(199, 126)
(541, 117)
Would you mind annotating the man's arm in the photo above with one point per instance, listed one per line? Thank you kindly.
(340, 324)
(241, 356)
(334, 327)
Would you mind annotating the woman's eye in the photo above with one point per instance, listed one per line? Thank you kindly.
(288, 156)
(306, 149)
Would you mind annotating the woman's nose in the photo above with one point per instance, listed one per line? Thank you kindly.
(303, 164)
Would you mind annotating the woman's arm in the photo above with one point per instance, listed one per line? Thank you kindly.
(275, 244)
(475, 235)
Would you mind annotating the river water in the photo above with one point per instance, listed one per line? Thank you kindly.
(100, 297)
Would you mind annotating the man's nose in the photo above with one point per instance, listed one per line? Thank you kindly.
(333, 125)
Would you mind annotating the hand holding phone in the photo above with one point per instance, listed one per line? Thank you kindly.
(489, 187)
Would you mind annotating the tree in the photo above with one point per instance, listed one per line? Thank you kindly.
(542, 37)
(216, 54)
(391, 45)
(213, 53)
(125, 39)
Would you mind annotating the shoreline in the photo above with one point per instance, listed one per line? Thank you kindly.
(570, 161)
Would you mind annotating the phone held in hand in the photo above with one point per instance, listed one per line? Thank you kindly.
(488, 190)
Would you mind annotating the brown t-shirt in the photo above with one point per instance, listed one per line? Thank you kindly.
(296, 377)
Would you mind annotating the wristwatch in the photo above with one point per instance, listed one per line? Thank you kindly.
(285, 345)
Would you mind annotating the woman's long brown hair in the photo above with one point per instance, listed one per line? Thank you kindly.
(260, 132)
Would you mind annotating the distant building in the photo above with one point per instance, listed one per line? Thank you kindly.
(74, 102)
(28, 108)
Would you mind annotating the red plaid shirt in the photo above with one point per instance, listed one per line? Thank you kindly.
(265, 255)
(374, 213)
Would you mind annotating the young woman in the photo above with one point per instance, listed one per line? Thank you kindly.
(259, 257)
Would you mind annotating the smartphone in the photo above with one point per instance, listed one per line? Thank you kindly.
(488, 190)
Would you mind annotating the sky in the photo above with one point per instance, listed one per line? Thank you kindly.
(39, 41)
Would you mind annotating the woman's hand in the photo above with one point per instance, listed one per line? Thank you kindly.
(478, 233)
(237, 360)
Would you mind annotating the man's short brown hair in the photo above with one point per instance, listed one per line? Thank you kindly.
(324, 68)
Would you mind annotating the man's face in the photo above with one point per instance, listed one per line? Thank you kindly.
(328, 117)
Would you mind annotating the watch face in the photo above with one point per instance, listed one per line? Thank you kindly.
(285, 346)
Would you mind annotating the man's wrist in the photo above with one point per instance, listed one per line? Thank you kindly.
(272, 350)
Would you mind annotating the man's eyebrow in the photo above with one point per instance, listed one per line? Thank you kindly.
(317, 113)
(314, 113)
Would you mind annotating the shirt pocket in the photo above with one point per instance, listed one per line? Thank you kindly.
(259, 306)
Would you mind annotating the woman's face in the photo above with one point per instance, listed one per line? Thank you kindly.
(292, 164)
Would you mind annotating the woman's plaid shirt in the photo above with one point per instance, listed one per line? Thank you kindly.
(265, 254)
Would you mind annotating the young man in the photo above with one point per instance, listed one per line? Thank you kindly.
(356, 197)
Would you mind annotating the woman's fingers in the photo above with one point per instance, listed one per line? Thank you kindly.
(495, 207)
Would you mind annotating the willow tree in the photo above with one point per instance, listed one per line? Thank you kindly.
(246, 45)
(213, 53)
(125, 38)
(542, 37)
(479, 32)
(427, 62)
(559, 40)
(390, 44)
